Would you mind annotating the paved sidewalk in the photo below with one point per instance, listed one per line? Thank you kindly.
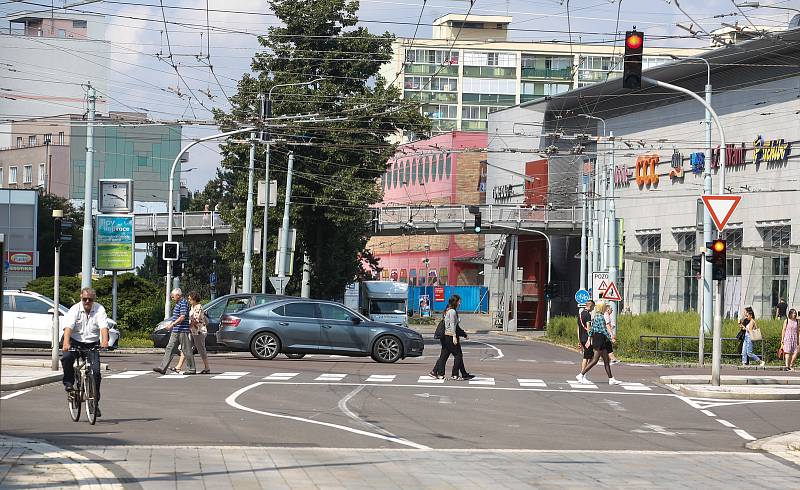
(20, 373)
(786, 446)
(736, 387)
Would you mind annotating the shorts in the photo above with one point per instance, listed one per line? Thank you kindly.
(588, 352)
(599, 341)
(609, 347)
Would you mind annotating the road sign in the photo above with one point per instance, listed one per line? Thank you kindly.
(599, 285)
(582, 296)
(279, 283)
(721, 208)
(212, 278)
(612, 293)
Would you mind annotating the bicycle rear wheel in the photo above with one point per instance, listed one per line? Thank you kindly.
(74, 401)
(91, 397)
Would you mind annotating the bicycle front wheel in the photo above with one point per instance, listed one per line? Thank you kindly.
(91, 397)
(74, 402)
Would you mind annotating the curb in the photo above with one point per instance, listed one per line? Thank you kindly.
(786, 446)
(32, 382)
(701, 392)
(731, 380)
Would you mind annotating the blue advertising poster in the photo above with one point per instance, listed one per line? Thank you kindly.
(114, 242)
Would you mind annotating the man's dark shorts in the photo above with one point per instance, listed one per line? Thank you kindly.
(588, 353)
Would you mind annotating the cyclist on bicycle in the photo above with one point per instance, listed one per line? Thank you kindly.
(86, 325)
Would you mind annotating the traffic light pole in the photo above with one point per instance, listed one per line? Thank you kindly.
(57, 215)
(716, 358)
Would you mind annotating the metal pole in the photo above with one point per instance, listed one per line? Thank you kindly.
(170, 199)
(114, 295)
(57, 214)
(716, 358)
(613, 253)
(708, 309)
(305, 290)
(264, 241)
(284, 255)
(86, 255)
(584, 188)
(247, 266)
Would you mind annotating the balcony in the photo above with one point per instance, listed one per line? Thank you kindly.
(598, 76)
(474, 125)
(529, 97)
(489, 99)
(443, 125)
(449, 97)
(489, 72)
(559, 74)
(424, 69)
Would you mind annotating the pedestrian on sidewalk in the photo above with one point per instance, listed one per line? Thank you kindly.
(179, 328)
(198, 328)
(612, 327)
(584, 322)
(599, 336)
(750, 325)
(451, 344)
(780, 309)
(789, 336)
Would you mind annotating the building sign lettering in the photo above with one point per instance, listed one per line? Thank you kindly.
(734, 156)
(677, 165)
(505, 192)
(622, 175)
(772, 151)
(646, 170)
(698, 161)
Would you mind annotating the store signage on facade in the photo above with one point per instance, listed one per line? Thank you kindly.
(772, 151)
(20, 261)
(646, 170)
(734, 156)
(622, 175)
(677, 165)
(506, 192)
(698, 162)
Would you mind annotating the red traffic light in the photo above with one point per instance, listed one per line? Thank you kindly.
(633, 41)
(718, 246)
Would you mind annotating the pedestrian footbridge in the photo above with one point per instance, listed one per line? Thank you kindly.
(200, 225)
(515, 219)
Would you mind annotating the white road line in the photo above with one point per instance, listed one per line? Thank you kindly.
(708, 412)
(12, 395)
(744, 435)
(231, 400)
(577, 385)
(482, 381)
(537, 383)
(428, 379)
(636, 387)
(231, 375)
(499, 352)
(726, 423)
(330, 377)
(127, 374)
(564, 362)
(381, 378)
(280, 376)
(174, 376)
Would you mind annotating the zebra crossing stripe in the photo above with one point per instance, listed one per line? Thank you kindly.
(532, 383)
(577, 385)
(428, 379)
(381, 378)
(280, 376)
(330, 377)
(128, 374)
(231, 375)
(174, 376)
(482, 381)
(636, 387)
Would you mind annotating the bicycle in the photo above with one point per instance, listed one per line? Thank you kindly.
(85, 389)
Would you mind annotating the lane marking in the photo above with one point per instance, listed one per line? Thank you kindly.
(499, 352)
(578, 385)
(428, 379)
(330, 377)
(128, 374)
(538, 383)
(12, 395)
(478, 380)
(744, 435)
(381, 378)
(726, 423)
(280, 376)
(708, 412)
(636, 387)
(564, 362)
(231, 375)
(527, 360)
(231, 400)
(174, 376)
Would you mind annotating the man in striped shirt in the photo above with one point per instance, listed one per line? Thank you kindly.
(179, 327)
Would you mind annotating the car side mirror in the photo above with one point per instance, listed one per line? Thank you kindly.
(356, 320)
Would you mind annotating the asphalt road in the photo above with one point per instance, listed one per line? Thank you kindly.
(523, 399)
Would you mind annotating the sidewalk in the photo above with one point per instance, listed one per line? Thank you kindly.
(764, 387)
(18, 374)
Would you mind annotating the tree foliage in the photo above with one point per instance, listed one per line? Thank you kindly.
(341, 121)
(70, 251)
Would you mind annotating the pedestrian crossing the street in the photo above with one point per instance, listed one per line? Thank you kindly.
(389, 379)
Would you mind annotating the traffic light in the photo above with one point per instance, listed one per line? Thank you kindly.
(632, 72)
(716, 254)
(478, 223)
(697, 264)
(550, 291)
(170, 251)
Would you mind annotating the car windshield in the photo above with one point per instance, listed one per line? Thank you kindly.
(387, 306)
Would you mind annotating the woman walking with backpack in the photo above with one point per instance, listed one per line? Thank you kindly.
(451, 344)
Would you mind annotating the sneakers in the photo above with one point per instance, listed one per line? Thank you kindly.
(580, 377)
(613, 381)
(762, 364)
(585, 381)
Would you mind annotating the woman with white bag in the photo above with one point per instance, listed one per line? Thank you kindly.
(752, 332)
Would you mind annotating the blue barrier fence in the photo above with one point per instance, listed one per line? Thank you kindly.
(474, 299)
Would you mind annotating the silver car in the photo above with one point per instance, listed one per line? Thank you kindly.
(297, 326)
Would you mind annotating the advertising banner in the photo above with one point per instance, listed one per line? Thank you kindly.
(114, 242)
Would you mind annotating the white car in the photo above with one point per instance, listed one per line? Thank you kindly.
(28, 320)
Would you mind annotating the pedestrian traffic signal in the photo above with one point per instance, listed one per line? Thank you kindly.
(717, 254)
(170, 251)
(478, 223)
(632, 71)
(550, 291)
(697, 264)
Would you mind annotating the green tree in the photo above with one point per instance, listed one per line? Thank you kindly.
(70, 251)
(338, 153)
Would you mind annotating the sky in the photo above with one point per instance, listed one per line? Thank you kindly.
(141, 77)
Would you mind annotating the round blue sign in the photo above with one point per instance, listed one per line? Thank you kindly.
(582, 296)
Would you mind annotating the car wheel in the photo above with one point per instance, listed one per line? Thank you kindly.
(295, 356)
(265, 346)
(387, 349)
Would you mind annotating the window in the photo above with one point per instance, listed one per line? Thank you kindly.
(1, 176)
(387, 306)
(443, 276)
(31, 140)
(62, 33)
(441, 111)
(687, 242)
(61, 137)
(27, 174)
(436, 84)
(733, 265)
(776, 268)
(19, 141)
(432, 56)
(541, 89)
(689, 287)
(490, 86)
(6, 302)
(79, 24)
(479, 113)
(25, 304)
(48, 138)
(12, 175)
(297, 310)
(236, 304)
(335, 312)
(474, 58)
(42, 176)
(653, 270)
(412, 277)
(403, 275)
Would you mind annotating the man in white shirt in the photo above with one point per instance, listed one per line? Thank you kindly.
(85, 325)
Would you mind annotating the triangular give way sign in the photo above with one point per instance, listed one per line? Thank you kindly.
(721, 208)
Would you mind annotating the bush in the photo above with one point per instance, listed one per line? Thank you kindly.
(563, 329)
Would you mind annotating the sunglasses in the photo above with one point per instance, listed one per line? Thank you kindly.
(88, 300)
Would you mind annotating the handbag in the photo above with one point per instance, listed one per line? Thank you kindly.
(780, 352)
(439, 333)
(755, 333)
(740, 335)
